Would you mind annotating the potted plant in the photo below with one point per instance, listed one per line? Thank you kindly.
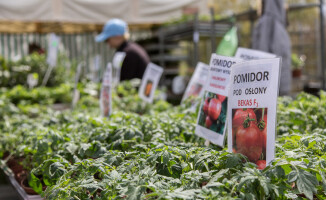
(298, 63)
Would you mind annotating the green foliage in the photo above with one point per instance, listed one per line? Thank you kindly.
(151, 151)
(14, 73)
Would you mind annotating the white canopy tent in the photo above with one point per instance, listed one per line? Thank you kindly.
(97, 11)
(77, 22)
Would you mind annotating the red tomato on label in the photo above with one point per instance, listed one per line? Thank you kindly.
(249, 142)
(259, 113)
(214, 109)
(234, 130)
(208, 122)
(221, 98)
(206, 104)
(261, 164)
(240, 115)
(264, 134)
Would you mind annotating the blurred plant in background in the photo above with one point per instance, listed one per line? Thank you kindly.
(14, 73)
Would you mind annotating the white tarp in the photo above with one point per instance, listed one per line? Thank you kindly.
(97, 11)
(26, 10)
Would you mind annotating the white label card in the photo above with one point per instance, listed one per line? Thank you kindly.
(76, 94)
(117, 62)
(197, 82)
(32, 80)
(149, 82)
(252, 109)
(211, 121)
(97, 62)
(53, 45)
(106, 94)
(251, 54)
(96, 68)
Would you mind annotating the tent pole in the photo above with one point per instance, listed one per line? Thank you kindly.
(196, 41)
(322, 40)
(213, 36)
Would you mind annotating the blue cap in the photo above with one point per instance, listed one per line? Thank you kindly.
(113, 27)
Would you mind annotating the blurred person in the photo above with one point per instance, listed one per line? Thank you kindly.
(33, 47)
(115, 34)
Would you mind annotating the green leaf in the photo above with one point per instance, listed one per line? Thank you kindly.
(165, 157)
(293, 176)
(322, 174)
(232, 160)
(35, 183)
(133, 192)
(291, 196)
(307, 183)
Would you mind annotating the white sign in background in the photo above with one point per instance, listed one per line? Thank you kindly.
(217, 84)
(149, 82)
(106, 92)
(197, 82)
(117, 62)
(254, 85)
(251, 54)
(76, 94)
(32, 80)
(53, 45)
(96, 66)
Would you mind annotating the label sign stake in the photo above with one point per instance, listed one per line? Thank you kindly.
(32, 80)
(117, 61)
(211, 122)
(149, 82)
(53, 50)
(76, 93)
(106, 94)
(96, 68)
(197, 82)
(51, 56)
(252, 109)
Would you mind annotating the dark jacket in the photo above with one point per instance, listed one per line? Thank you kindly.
(135, 62)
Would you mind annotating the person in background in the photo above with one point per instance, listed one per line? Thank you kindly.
(115, 34)
(33, 47)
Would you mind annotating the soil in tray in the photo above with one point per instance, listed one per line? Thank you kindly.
(24, 183)
(14, 164)
(25, 186)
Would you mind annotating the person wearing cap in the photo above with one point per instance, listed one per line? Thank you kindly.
(115, 33)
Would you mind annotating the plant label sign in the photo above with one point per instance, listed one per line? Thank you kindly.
(96, 68)
(251, 54)
(252, 104)
(106, 95)
(76, 94)
(197, 82)
(211, 122)
(53, 45)
(32, 80)
(149, 82)
(117, 62)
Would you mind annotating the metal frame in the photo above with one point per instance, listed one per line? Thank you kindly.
(252, 16)
(191, 31)
(322, 40)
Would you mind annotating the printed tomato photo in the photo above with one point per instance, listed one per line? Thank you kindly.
(148, 88)
(105, 101)
(249, 134)
(195, 90)
(213, 112)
